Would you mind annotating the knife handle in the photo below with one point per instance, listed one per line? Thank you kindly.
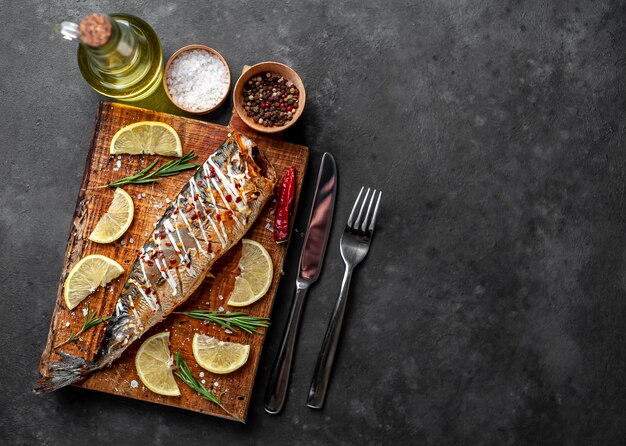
(324, 365)
(276, 390)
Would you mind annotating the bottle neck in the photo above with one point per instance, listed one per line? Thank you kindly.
(118, 53)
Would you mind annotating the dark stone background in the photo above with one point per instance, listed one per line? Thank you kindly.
(492, 306)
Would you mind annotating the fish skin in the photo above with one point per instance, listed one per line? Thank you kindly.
(147, 297)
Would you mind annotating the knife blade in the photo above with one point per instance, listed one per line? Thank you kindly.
(311, 260)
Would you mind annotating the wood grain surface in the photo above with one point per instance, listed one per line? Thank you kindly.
(150, 203)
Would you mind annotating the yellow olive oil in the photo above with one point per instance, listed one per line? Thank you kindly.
(129, 66)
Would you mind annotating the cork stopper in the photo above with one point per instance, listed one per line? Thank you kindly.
(95, 30)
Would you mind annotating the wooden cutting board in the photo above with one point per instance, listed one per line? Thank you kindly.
(150, 203)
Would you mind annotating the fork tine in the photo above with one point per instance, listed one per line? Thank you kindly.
(357, 223)
(350, 219)
(368, 216)
(373, 222)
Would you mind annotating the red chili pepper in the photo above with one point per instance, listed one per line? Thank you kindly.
(283, 205)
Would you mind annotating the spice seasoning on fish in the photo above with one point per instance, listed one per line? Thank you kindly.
(270, 99)
(283, 206)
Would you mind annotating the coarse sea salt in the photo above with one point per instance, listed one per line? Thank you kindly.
(197, 80)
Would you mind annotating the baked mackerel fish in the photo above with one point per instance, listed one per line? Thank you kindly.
(211, 213)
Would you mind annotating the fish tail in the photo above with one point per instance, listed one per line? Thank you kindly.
(68, 370)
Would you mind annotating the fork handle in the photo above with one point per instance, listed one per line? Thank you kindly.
(321, 375)
(276, 391)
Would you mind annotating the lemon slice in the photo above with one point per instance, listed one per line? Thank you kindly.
(255, 277)
(117, 219)
(148, 137)
(154, 365)
(219, 356)
(87, 275)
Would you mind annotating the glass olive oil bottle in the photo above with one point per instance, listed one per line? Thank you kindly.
(119, 55)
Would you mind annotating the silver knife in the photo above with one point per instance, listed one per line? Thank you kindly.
(311, 260)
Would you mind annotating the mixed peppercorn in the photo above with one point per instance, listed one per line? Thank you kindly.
(270, 99)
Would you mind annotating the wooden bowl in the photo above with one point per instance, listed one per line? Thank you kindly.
(178, 53)
(272, 67)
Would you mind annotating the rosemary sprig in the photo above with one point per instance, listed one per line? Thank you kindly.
(185, 375)
(231, 321)
(146, 175)
(91, 320)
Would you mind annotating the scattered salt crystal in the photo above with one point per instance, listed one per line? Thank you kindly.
(131, 240)
(220, 297)
(203, 381)
(119, 157)
(118, 164)
(201, 375)
(138, 196)
(85, 312)
(73, 314)
(134, 384)
(123, 243)
(197, 80)
(221, 308)
(168, 201)
(227, 331)
(274, 200)
(143, 194)
(216, 384)
(67, 324)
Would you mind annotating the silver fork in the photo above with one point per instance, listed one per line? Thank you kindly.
(354, 245)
